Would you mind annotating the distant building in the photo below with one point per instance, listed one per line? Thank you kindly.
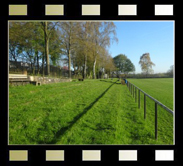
(105, 76)
(65, 68)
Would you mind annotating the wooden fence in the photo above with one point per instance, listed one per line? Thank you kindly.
(133, 90)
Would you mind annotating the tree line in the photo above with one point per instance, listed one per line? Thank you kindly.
(82, 46)
(125, 68)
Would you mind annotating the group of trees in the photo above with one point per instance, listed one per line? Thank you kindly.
(83, 46)
(126, 67)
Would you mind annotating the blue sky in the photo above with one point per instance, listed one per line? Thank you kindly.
(138, 37)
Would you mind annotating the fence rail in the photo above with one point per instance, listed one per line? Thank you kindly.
(19, 67)
(131, 88)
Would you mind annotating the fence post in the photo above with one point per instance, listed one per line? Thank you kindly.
(131, 88)
(144, 106)
(156, 121)
(139, 98)
(135, 94)
(133, 91)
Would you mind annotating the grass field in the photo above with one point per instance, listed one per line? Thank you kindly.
(88, 112)
(159, 88)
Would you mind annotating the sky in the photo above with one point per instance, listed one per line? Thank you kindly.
(138, 37)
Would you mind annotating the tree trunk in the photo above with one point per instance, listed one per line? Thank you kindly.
(85, 63)
(94, 64)
(43, 64)
(69, 56)
(47, 57)
(102, 72)
(47, 48)
(37, 62)
(34, 65)
(74, 69)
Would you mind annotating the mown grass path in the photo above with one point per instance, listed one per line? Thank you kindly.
(89, 112)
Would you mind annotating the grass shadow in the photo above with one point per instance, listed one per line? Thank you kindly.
(111, 81)
(63, 130)
(108, 81)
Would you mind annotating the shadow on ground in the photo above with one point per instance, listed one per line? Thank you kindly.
(111, 81)
(63, 130)
(108, 81)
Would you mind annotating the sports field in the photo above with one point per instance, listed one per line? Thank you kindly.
(88, 112)
(159, 88)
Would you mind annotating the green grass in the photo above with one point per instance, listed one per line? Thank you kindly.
(162, 90)
(88, 112)
(159, 88)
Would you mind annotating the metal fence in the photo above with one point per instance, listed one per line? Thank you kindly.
(133, 90)
(22, 67)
